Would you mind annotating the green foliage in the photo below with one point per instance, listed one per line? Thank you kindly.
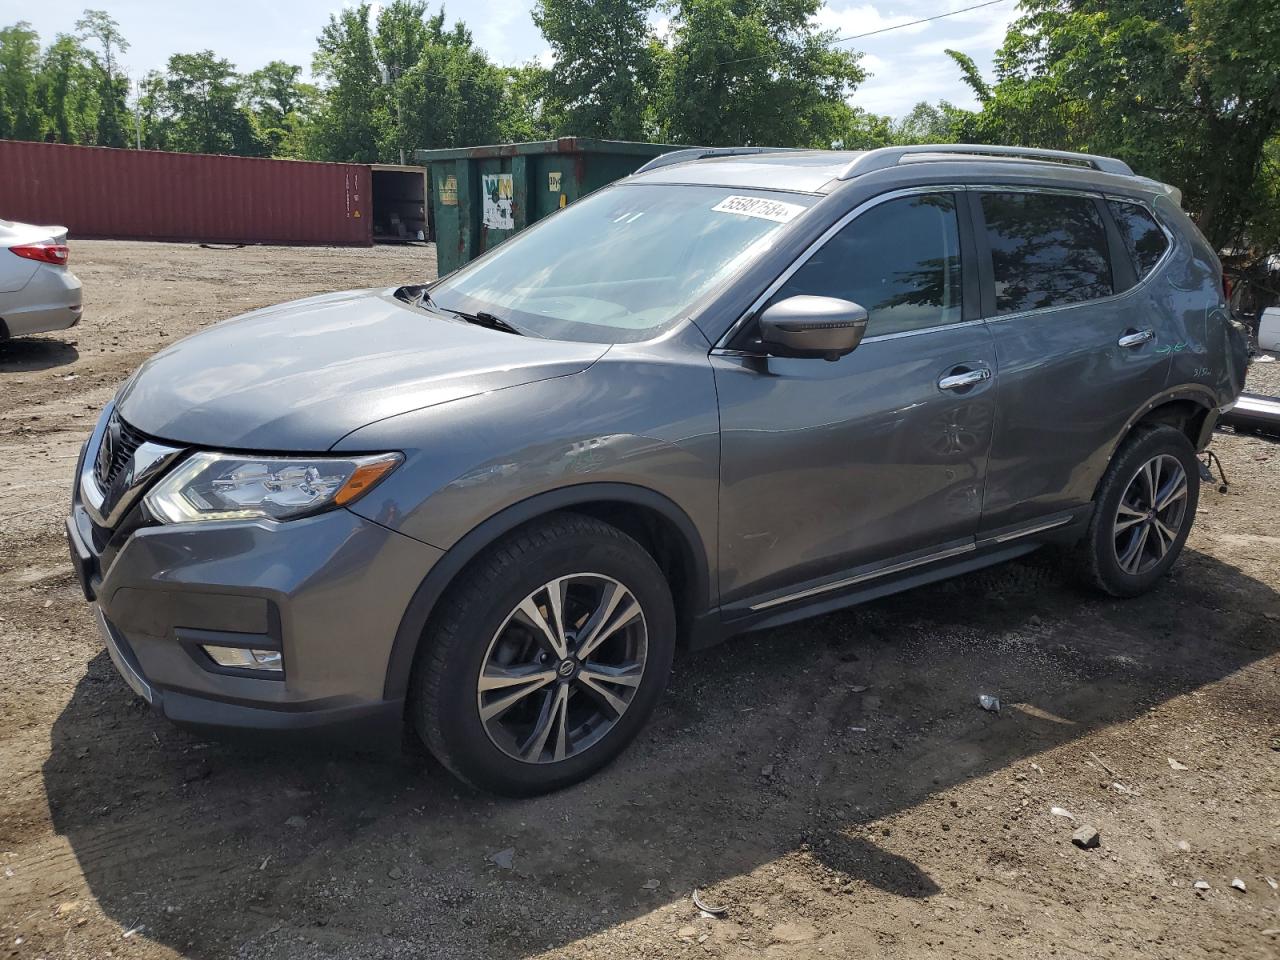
(67, 90)
(201, 100)
(755, 72)
(20, 116)
(1183, 90)
(113, 85)
(524, 114)
(281, 107)
(347, 124)
(605, 69)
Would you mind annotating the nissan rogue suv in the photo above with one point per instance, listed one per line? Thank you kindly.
(735, 389)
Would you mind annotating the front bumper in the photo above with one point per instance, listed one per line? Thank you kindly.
(328, 591)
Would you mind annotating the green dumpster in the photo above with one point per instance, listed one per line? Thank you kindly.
(482, 195)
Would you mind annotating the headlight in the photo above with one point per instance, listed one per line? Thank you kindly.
(221, 486)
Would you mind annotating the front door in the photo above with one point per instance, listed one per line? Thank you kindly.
(826, 466)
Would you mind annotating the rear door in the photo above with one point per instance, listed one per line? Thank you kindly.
(1077, 345)
(828, 466)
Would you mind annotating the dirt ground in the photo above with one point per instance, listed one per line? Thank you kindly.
(833, 785)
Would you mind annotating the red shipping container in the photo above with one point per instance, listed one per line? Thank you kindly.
(154, 195)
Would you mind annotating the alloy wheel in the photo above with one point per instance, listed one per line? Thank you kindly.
(563, 668)
(1151, 514)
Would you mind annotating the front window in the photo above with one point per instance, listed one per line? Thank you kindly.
(622, 264)
(900, 260)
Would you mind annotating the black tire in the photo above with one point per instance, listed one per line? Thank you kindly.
(1099, 553)
(456, 648)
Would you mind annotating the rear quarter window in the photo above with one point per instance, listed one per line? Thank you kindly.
(1142, 236)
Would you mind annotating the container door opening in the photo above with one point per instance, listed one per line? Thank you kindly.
(399, 204)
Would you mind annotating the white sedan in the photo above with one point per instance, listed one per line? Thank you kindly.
(37, 291)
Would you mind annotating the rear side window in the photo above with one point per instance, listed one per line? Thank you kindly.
(1047, 250)
(900, 260)
(1142, 236)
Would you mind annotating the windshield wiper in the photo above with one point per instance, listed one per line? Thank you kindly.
(420, 296)
(482, 319)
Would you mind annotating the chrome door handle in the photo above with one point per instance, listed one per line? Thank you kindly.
(958, 381)
(1136, 339)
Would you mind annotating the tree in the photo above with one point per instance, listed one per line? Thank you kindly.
(20, 115)
(68, 92)
(1183, 90)
(346, 126)
(755, 72)
(604, 70)
(282, 107)
(202, 99)
(524, 113)
(113, 85)
(930, 123)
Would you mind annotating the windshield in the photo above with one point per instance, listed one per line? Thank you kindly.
(623, 263)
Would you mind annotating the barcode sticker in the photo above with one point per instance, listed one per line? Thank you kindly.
(774, 210)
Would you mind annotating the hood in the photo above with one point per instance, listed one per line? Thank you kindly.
(302, 375)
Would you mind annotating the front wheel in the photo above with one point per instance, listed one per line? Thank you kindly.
(1143, 512)
(547, 659)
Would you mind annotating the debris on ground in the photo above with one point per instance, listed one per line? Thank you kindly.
(1175, 765)
(989, 703)
(1272, 883)
(1238, 884)
(296, 822)
(1086, 838)
(1184, 846)
(706, 908)
(1201, 885)
(1060, 812)
(687, 932)
(503, 858)
(1100, 762)
(651, 885)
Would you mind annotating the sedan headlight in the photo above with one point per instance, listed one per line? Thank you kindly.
(222, 486)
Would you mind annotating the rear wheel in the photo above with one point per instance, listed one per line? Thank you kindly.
(1143, 512)
(547, 659)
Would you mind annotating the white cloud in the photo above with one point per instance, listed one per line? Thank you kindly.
(864, 18)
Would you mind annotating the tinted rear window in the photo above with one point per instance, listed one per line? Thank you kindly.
(1142, 236)
(1047, 250)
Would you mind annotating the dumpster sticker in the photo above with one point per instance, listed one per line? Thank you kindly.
(774, 210)
(449, 191)
(553, 181)
(499, 194)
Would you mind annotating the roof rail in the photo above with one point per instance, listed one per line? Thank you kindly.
(886, 157)
(700, 153)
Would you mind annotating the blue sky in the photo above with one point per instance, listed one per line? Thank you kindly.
(908, 65)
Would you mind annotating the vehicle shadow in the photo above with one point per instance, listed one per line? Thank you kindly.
(802, 741)
(22, 354)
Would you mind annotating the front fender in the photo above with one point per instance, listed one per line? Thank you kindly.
(636, 421)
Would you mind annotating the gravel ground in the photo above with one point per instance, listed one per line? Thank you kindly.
(833, 785)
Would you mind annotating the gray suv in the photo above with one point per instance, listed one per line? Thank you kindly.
(735, 389)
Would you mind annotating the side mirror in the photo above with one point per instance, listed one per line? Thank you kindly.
(825, 327)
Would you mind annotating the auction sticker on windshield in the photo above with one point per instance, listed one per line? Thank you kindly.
(775, 210)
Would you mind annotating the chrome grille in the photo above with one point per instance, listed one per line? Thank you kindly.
(119, 441)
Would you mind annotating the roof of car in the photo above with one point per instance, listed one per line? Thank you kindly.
(821, 171)
(804, 170)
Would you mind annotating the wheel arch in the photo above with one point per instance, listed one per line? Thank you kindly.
(658, 523)
(1192, 408)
